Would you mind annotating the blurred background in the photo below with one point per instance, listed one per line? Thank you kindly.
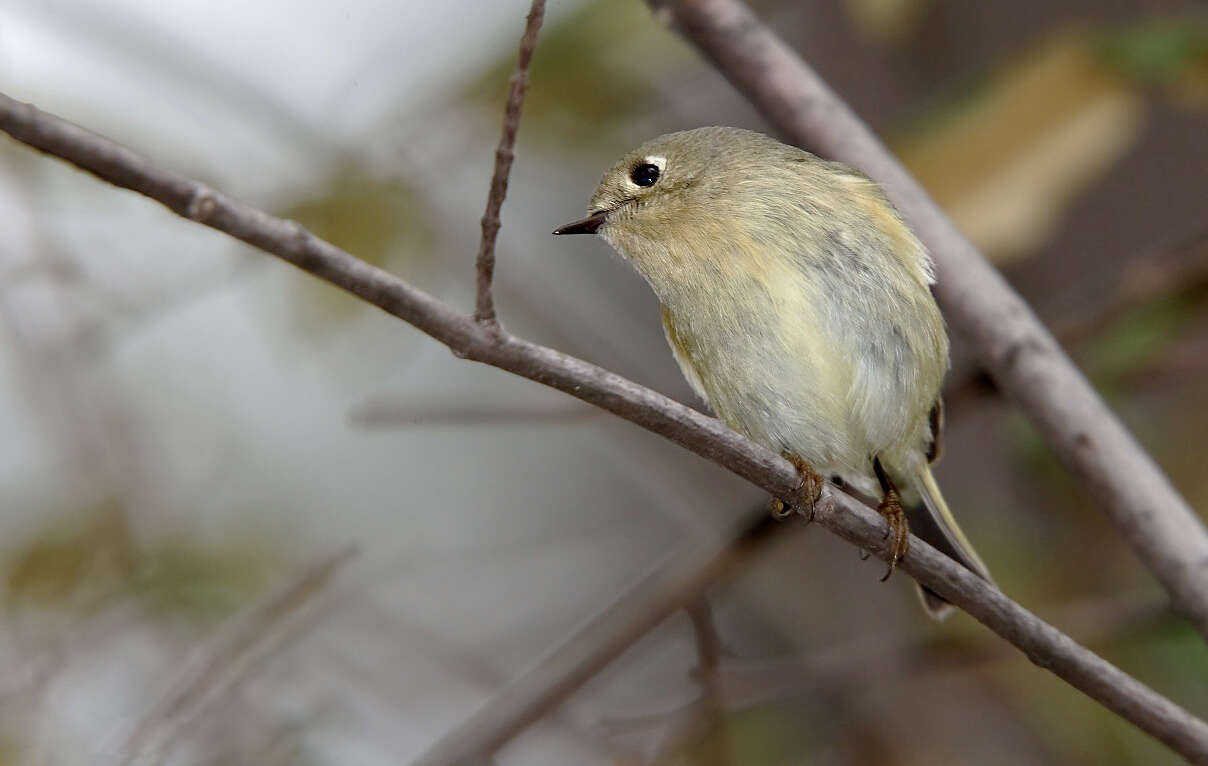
(246, 519)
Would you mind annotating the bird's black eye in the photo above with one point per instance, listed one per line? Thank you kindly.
(644, 174)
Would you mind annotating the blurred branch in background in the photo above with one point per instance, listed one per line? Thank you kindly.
(700, 727)
(1017, 350)
(229, 657)
(1168, 270)
(676, 584)
(1178, 266)
(708, 712)
(835, 671)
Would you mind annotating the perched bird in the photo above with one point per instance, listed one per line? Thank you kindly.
(798, 305)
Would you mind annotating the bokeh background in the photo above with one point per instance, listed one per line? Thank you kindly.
(245, 518)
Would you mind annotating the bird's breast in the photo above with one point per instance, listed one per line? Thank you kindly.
(759, 355)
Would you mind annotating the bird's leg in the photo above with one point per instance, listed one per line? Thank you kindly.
(891, 508)
(807, 493)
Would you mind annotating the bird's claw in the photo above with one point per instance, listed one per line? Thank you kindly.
(779, 509)
(897, 530)
(805, 496)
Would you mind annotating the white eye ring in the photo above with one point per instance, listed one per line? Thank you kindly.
(655, 160)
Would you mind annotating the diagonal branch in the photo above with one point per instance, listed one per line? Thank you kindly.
(1015, 348)
(484, 305)
(1044, 644)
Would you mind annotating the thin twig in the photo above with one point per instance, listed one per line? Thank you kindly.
(1177, 266)
(484, 306)
(706, 714)
(706, 436)
(1015, 348)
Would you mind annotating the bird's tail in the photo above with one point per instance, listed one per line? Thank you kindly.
(931, 520)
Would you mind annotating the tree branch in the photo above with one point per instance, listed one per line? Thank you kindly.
(1015, 348)
(484, 308)
(706, 436)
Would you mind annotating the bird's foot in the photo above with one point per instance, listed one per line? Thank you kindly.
(898, 531)
(805, 496)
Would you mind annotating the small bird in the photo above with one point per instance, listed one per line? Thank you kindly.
(798, 306)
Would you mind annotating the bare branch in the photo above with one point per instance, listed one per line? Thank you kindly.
(484, 309)
(706, 436)
(1015, 348)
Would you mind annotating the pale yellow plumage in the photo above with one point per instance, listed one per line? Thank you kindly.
(796, 302)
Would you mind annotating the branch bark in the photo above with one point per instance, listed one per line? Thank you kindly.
(1044, 645)
(1018, 352)
(484, 305)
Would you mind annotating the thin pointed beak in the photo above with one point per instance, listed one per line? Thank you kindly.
(587, 225)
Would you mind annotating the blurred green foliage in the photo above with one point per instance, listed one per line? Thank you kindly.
(378, 219)
(1161, 48)
(767, 735)
(1135, 338)
(50, 569)
(12, 751)
(588, 73)
(73, 568)
(1170, 657)
(200, 585)
(60, 562)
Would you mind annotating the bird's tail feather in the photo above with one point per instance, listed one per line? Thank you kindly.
(931, 520)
